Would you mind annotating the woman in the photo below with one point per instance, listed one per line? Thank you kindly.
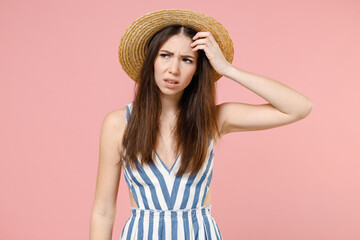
(164, 140)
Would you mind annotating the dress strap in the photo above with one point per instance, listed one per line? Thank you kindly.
(128, 111)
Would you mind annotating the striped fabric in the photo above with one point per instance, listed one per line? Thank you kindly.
(169, 207)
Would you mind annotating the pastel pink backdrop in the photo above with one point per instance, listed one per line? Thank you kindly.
(60, 76)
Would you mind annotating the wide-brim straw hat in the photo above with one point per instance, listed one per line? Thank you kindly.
(134, 42)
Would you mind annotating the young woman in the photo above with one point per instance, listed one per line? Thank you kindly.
(164, 140)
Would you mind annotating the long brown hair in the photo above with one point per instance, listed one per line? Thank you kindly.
(196, 121)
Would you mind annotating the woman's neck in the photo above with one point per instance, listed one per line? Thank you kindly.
(170, 105)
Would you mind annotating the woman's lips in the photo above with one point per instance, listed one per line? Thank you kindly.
(170, 83)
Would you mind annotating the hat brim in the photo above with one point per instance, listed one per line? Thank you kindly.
(134, 42)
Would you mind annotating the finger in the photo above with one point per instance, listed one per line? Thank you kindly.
(201, 35)
(199, 47)
(208, 48)
(208, 53)
(200, 41)
(205, 35)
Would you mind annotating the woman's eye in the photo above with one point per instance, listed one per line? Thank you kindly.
(164, 55)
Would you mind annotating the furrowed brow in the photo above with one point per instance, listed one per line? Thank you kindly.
(171, 53)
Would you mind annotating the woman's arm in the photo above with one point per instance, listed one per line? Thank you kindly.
(108, 177)
(285, 104)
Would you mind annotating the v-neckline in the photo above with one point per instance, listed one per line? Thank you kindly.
(166, 168)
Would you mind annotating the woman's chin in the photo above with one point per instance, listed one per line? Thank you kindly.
(171, 93)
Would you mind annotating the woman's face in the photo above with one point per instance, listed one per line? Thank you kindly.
(175, 65)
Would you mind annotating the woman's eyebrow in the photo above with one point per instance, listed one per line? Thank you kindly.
(171, 53)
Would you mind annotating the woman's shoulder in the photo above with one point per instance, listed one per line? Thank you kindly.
(119, 115)
(114, 124)
(116, 119)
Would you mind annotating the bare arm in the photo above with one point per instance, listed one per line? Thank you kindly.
(108, 177)
(285, 104)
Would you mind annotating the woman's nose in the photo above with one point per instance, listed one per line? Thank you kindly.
(174, 66)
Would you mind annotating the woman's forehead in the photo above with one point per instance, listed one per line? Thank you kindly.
(179, 44)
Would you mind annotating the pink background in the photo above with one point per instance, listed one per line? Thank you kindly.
(60, 76)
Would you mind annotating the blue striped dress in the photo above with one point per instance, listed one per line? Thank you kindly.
(169, 207)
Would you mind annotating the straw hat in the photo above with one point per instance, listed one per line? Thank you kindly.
(134, 42)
